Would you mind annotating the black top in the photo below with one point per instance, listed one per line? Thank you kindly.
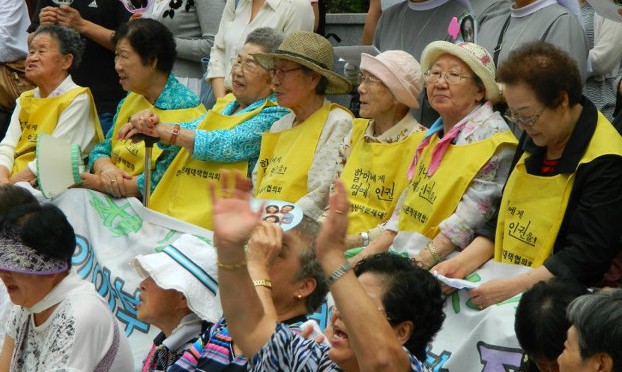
(589, 236)
(97, 68)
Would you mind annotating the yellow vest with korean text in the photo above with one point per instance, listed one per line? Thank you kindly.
(40, 115)
(533, 207)
(375, 176)
(432, 199)
(130, 156)
(286, 157)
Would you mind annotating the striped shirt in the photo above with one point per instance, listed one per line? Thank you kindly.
(213, 351)
(287, 351)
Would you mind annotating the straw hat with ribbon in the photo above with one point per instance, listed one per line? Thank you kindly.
(312, 51)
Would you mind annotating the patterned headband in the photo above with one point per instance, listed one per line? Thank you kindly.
(17, 257)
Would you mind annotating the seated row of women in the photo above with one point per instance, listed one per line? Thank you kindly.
(430, 194)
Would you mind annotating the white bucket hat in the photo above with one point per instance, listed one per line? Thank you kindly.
(188, 266)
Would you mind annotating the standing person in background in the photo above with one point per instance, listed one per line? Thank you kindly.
(412, 25)
(14, 21)
(504, 29)
(376, 7)
(239, 19)
(604, 57)
(96, 21)
(194, 23)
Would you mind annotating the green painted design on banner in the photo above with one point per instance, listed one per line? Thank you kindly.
(116, 217)
(169, 236)
(455, 302)
(455, 297)
(208, 241)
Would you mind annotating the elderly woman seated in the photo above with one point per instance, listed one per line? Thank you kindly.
(145, 53)
(389, 310)
(227, 138)
(378, 150)
(288, 280)
(177, 295)
(594, 337)
(561, 205)
(59, 322)
(57, 106)
(460, 166)
(298, 157)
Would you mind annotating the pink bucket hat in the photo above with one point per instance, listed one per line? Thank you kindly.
(399, 71)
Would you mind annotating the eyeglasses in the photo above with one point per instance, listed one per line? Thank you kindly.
(432, 76)
(525, 121)
(368, 79)
(248, 65)
(280, 72)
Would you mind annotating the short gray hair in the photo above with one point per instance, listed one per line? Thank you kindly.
(69, 42)
(598, 321)
(308, 230)
(267, 38)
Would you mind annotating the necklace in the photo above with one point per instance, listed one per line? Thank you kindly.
(406, 10)
(500, 42)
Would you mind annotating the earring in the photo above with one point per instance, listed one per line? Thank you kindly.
(299, 296)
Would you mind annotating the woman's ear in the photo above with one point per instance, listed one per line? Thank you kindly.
(404, 330)
(306, 287)
(67, 61)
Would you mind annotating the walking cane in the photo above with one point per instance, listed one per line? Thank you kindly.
(149, 142)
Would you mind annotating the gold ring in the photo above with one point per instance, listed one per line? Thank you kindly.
(113, 181)
(481, 307)
(338, 211)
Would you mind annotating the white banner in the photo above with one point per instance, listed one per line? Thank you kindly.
(109, 232)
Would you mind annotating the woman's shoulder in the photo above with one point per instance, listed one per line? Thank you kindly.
(176, 96)
(485, 124)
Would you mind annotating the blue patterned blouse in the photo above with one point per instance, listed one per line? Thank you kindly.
(241, 142)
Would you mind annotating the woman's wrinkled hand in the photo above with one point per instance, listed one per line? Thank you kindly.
(264, 245)
(112, 179)
(495, 291)
(451, 268)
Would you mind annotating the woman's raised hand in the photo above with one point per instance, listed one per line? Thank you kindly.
(332, 237)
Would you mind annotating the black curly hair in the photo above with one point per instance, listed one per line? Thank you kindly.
(411, 294)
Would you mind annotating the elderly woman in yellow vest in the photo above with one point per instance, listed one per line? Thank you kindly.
(145, 53)
(227, 138)
(459, 168)
(57, 106)
(378, 151)
(298, 157)
(561, 208)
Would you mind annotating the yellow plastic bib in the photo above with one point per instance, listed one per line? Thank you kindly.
(432, 199)
(129, 156)
(375, 176)
(533, 207)
(285, 158)
(183, 190)
(40, 115)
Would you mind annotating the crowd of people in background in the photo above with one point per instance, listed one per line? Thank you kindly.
(489, 130)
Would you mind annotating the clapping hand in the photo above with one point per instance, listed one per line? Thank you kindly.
(332, 237)
(233, 218)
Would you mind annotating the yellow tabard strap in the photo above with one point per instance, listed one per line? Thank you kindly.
(375, 176)
(432, 199)
(183, 190)
(285, 158)
(129, 156)
(533, 207)
(40, 115)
